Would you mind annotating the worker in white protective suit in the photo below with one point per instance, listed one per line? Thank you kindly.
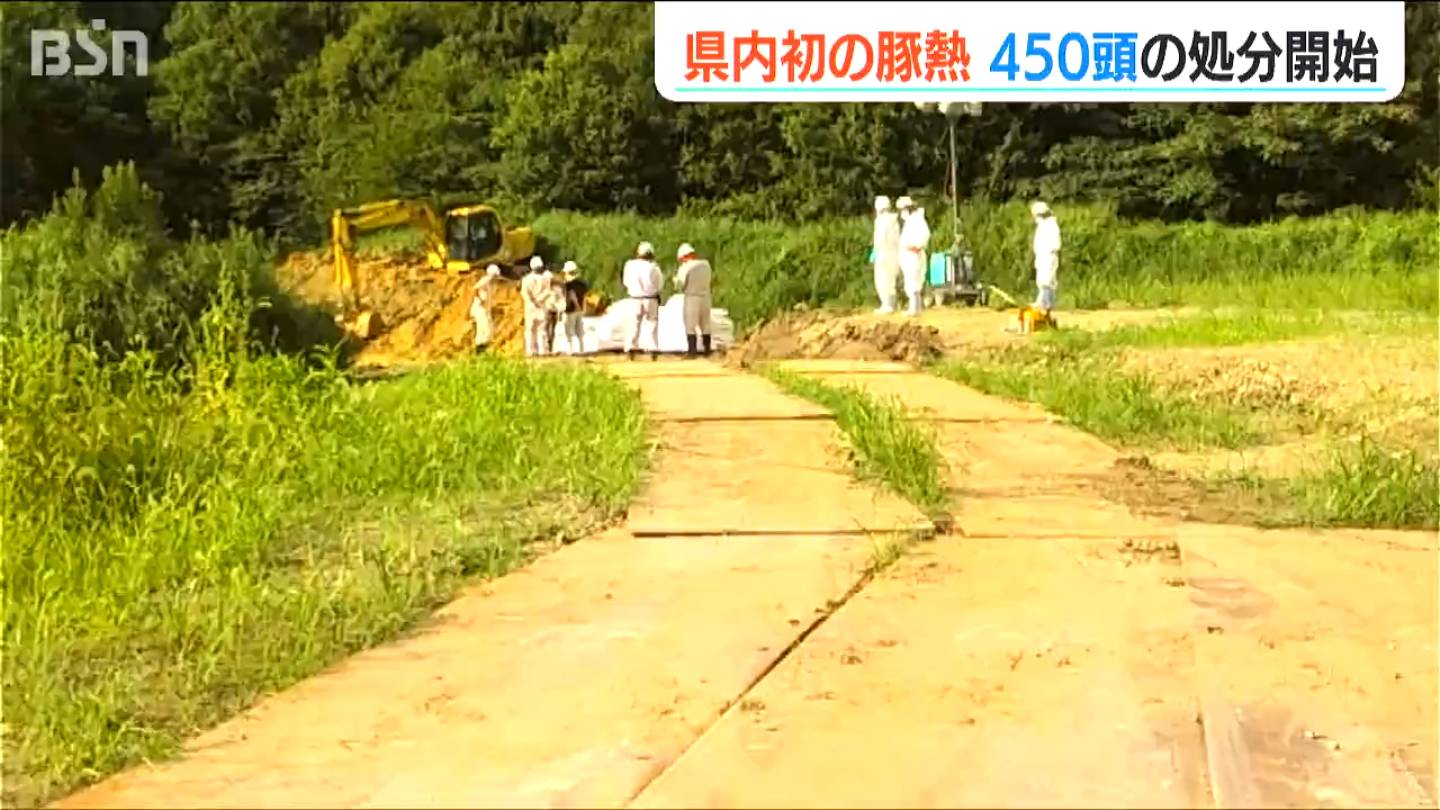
(642, 279)
(914, 241)
(480, 308)
(693, 279)
(535, 292)
(887, 254)
(1047, 255)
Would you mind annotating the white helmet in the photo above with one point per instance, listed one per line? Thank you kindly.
(570, 267)
(882, 203)
(685, 250)
(536, 262)
(904, 203)
(492, 270)
(645, 250)
(1039, 208)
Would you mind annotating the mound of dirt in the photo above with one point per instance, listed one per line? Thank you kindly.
(806, 335)
(423, 314)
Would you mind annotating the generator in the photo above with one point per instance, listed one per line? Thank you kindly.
(951, 276)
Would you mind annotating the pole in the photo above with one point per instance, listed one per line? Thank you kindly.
(954, 188)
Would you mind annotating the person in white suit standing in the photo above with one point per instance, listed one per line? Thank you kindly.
(914, 241)
(887, 254)
(1047, 255)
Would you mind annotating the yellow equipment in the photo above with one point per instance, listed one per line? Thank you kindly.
(466, 238)
(1033, 319)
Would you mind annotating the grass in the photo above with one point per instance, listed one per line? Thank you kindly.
(886, 445)
(1075, 375)
(1127, 409)
(1238, 327)
(171, 556)
(197, 514)
(209, 550)
(1368, 485)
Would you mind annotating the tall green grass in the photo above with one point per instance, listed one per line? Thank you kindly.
(199, 517)
(1370, 485)
(1346, 260)
(888, 447)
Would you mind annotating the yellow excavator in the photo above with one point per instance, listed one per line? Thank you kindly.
(465, 238)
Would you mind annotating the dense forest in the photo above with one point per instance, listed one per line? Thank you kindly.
(269, 114)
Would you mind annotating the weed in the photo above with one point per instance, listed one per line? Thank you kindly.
(1368, 485)
(1125, 408)
(884, 551)
(888, 446)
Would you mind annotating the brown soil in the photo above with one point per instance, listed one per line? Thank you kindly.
(822, 335)
(424, 315)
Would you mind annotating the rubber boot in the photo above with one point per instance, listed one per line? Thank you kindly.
(705, 341)
(887, 305)
(914, 308)
(690, 347)
(629, 354)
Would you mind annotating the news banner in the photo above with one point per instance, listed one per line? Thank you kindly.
(1034, 52)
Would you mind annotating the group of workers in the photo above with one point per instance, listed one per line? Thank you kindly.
(902, 236)
(551, 300)
(643, 280)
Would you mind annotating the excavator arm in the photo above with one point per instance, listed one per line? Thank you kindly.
(347, 223)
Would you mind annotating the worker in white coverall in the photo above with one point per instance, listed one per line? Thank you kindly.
(642, 279)
(535, 292)
(914, 240)
(693, 279)
(1047, 255)
(887, 254)
(480, 308)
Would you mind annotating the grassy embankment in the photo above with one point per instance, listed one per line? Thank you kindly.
(193, 522)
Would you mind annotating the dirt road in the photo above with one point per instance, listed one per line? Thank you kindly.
(728, 649)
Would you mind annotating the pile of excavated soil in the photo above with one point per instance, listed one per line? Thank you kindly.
(808, 335)
(423, 314)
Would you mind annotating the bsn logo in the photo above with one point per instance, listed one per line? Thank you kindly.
(50, 52)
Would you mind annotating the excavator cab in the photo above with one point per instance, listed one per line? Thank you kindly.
(472, 235)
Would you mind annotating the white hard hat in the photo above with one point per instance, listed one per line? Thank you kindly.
(492, 270)
(882, 203)
(645, 249)
(536, 262)
(904, 202)
(1039, 208)
(685, 250)
(570, 267)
